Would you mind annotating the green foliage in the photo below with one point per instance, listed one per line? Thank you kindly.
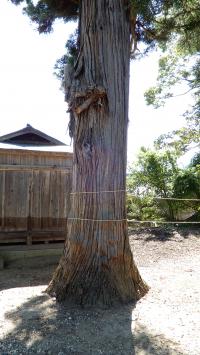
(195, 162)
(180, 140)
(187, 184)
(156, 175)
(172, 72)
(158, 21)
(143, 208)
(152, 21)
(70, 56)
(153, 175)
(143, 17)
(45, 12)
(155, 171)
(181, 65)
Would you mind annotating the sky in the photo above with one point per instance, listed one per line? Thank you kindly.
(30, 93)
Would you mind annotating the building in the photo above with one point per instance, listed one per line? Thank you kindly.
(34, 189)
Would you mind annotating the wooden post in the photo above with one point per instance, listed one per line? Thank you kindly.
(3, 199)
(29, 232)
(1, 263)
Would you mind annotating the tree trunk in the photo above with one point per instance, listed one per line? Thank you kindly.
(97, 265)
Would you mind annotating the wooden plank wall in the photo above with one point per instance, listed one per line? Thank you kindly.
(34, 195)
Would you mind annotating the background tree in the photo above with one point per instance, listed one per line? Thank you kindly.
(155, 173)
(182, 73)
(179, 68)
(187, 186)
(97, 264)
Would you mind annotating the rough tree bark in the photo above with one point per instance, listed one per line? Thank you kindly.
(97, 265)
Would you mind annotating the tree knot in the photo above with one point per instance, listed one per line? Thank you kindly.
(84, 99)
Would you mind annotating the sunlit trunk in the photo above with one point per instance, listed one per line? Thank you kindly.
(97, 265)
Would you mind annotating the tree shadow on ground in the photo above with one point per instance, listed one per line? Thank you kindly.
(189, 231)
(176, 234)
(41, 326)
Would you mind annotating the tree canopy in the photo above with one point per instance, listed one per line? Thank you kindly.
(176, 69)
(151, 20)
(181, 65)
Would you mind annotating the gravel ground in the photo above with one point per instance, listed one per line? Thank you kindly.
(164, 322)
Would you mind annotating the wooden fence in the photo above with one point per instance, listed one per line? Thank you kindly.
(34, 195)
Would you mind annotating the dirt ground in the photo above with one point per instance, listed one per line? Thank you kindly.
(165, 322)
